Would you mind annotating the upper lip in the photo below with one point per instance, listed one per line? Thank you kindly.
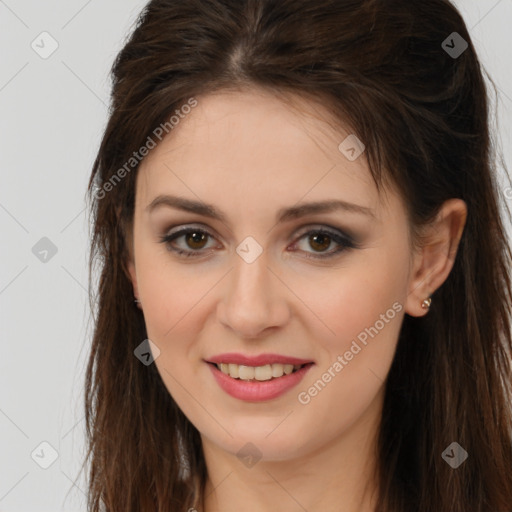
(259, 360)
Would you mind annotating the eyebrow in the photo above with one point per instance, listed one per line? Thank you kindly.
(283, 215)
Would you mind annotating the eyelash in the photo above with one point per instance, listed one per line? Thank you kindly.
(343, 240)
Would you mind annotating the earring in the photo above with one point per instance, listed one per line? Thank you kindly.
(137, 302)
(426, 303)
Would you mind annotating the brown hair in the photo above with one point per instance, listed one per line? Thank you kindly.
(423, 114)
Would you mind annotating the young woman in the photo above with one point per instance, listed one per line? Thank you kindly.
(305, 294)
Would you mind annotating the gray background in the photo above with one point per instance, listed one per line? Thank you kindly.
(53, 112)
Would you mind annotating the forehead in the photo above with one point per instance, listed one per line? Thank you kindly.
(252, 149)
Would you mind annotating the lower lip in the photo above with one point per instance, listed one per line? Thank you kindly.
(258, 391)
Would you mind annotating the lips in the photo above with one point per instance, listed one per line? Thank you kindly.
(258, 391)
(259, 360)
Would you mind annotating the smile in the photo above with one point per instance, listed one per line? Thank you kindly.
(259, 373)
(260, 383)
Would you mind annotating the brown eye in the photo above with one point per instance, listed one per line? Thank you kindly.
(319, 242)
(193, 241)
(321, 239)
(196, 239)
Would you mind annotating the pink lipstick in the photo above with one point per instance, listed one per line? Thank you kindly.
(272, 374)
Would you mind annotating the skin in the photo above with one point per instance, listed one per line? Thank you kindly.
(250, 154)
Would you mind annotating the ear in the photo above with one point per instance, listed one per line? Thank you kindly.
(130, 266)
(129, 263)
(132, 274)
(433, 259)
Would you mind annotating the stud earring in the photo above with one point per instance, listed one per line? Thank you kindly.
(426, 303)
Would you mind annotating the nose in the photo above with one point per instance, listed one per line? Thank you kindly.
(253, 300)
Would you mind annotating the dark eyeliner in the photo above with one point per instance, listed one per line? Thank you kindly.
(344, 242)
(167, 239)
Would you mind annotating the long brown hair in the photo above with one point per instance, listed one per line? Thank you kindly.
(383, 67)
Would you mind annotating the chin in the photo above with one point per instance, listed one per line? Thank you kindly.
(263, 440)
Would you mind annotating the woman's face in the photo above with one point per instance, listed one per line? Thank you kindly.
(329, 287)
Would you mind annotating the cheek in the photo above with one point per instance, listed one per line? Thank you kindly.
(171, 296)
(171, 293)
(354, 362)
(369, 289)
(361, 309)
(175, 307)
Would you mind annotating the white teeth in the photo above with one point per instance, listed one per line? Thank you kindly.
(233, 370)
(261, 373)
(245, 372)
(288, 368)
